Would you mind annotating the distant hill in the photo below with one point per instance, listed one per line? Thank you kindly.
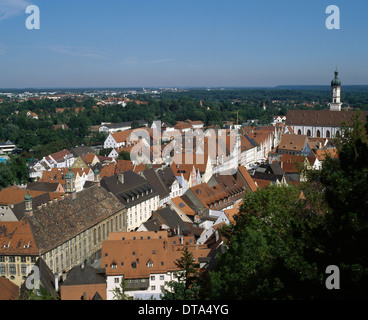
(321, 88)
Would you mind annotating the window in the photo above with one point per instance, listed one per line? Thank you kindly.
(116, 280)
(152, 278)
(150, 264)
(134, 265)
(162, 277)
(2, 269)
(114, 266)
(153, 288)
(12, 269)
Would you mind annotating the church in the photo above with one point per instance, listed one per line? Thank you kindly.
(321, 123)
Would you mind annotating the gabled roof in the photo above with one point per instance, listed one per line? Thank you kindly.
(58, 222)
(15, 195)
(84, 275)
(9, 291)
(123, 166)
(290, 163)
(59, 156)
(80, 151)
(131, 256)
(182, 169)
(134, 186)
(322, 154)
(43, 186)
(16, 238)
(47, 278)
(248, 179)
(182, 205)
(154, 180)
(294, 142)
(170, 218)
(88, 158)
(321, 117)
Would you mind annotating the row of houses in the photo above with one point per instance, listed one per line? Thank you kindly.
(71, 229)
(92, 221)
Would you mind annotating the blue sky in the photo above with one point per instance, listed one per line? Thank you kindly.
(162, 43)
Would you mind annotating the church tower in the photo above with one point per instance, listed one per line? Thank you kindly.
(70, 184)
(28, 210)
(335, 105)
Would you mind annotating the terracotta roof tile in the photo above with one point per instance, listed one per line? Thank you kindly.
(16, 238)
(9, 291)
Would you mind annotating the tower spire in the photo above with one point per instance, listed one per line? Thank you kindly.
(336, 93)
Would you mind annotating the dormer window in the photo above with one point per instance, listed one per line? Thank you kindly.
(114, 266)
(150, 264)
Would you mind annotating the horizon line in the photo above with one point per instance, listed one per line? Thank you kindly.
(178, 87)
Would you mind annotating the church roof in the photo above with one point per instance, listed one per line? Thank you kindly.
(321, 118)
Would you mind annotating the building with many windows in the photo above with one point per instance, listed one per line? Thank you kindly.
(18, 250)
(146, 261)
(136, 194)
(65, 233)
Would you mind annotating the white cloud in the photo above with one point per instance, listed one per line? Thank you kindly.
(86, 52)
(131, 61)
(11, 8)
(158, 61)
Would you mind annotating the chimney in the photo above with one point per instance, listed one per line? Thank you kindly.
(121, 178)
(55, 200)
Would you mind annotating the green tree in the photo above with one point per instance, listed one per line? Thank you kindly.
(124, 155)
(37, 294)
(186, 287)
(344, 232)
(267, 248)
(7, 177)
(119, 291)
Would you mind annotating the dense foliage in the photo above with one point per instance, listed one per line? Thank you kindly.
(286, 237)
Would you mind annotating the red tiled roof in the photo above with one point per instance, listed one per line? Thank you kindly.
(9, 291)
(16, 238)
(245, 174)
